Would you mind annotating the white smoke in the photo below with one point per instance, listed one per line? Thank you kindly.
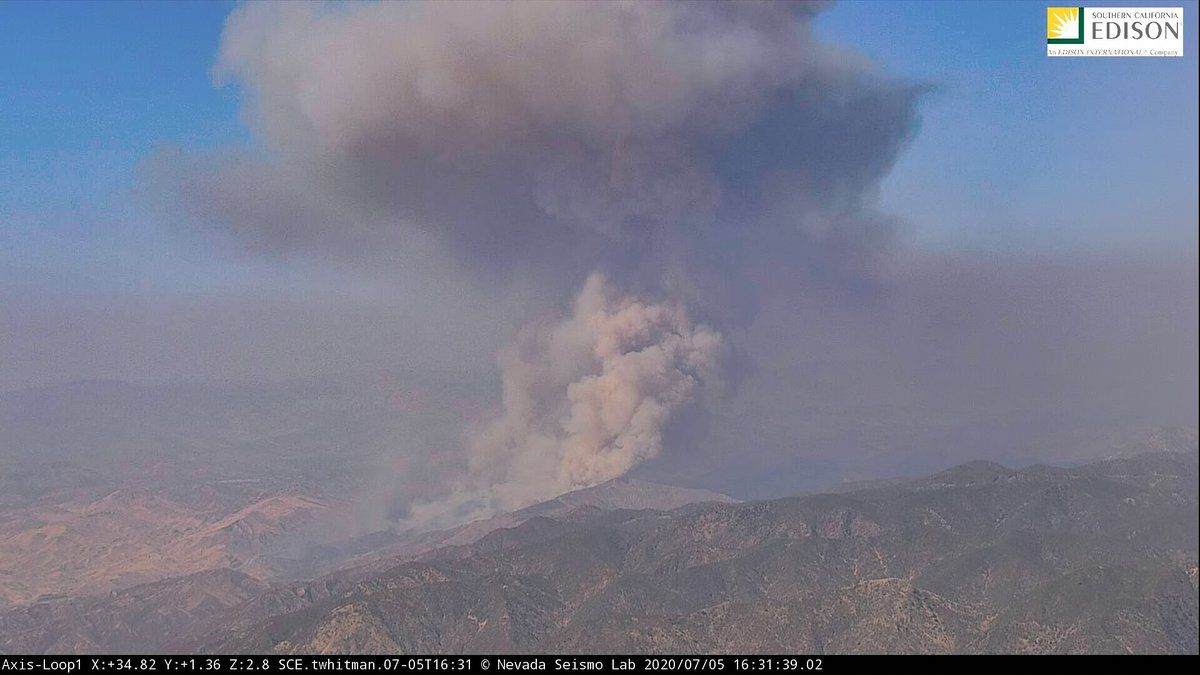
(585, 400)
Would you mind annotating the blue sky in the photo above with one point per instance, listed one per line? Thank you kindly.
(1016, 152)
(90, 87)
(1020, 151)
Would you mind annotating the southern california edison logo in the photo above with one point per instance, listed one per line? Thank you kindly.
(1114, 31)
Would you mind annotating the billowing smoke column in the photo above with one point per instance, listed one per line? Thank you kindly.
(586, 399)
(689, 150)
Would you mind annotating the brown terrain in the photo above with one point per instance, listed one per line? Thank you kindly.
(130, 537)
(135, 521)
(980, 558)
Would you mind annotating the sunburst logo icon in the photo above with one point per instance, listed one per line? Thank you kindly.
(1064, 25)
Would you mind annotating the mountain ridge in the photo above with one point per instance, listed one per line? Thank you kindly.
(975, 559)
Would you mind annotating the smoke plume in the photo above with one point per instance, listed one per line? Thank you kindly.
(585, 399)
(691, 151)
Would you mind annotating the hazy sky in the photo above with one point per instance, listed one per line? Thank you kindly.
(917, 214)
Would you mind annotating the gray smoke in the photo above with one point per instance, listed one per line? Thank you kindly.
(653, 140)
(679, 149)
